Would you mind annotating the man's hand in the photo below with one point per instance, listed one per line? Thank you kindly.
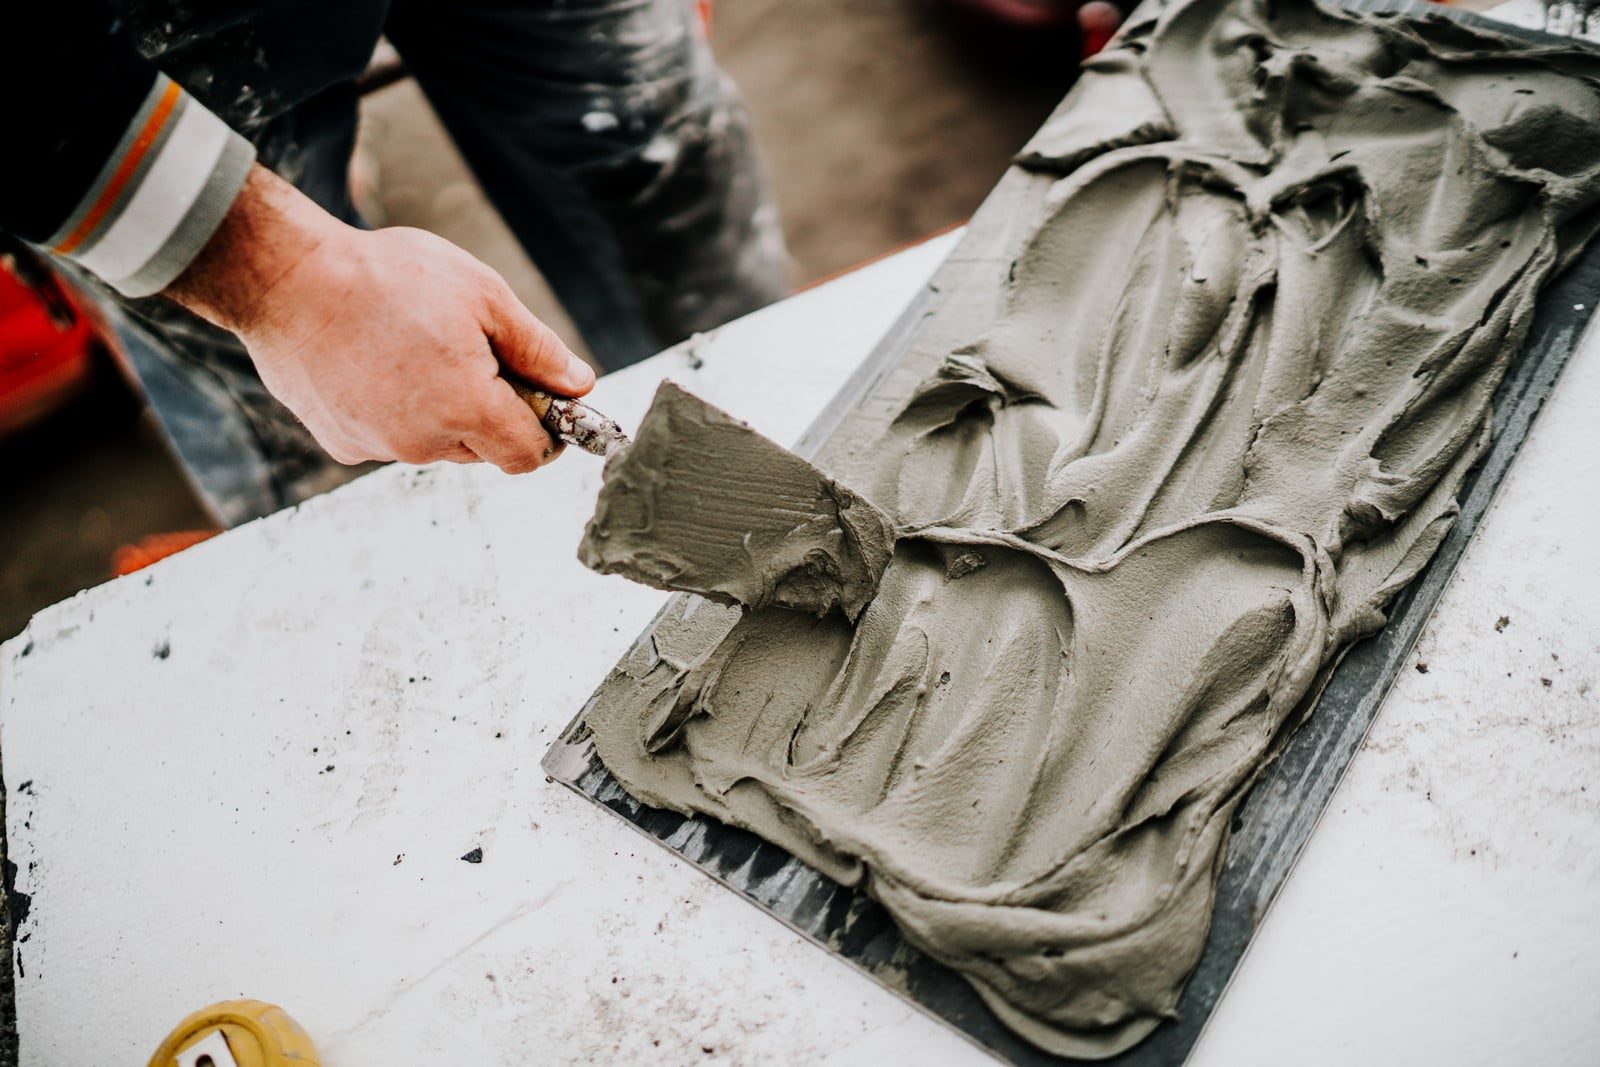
(383, 343)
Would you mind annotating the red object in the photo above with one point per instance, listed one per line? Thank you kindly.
(1096, 20)
(1027, 14)
(154, 549)
(47, 342)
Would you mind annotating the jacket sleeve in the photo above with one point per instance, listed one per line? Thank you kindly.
(108, 161)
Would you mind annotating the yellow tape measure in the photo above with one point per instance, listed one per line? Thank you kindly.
(237, 1033)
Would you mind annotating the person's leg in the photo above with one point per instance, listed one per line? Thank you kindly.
(284, 76)
(617, 152)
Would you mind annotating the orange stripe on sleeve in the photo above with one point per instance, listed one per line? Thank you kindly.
(125, 170)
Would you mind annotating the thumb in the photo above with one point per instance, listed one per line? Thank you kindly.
(530, 348)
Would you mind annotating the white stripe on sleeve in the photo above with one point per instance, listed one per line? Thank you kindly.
(169, 189)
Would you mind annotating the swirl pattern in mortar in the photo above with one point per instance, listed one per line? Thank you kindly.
(1216, 418)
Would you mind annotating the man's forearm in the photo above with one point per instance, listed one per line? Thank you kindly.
(270, 228)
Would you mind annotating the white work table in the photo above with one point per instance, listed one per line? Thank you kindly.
(253, 769)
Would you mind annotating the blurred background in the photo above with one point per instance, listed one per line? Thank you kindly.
(882, 123)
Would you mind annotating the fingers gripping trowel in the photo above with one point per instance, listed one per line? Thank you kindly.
(569, 420)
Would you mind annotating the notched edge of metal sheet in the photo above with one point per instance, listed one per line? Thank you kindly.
(1277, 818)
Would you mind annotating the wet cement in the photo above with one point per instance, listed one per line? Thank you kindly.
(704, 504)
(1210, 417)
